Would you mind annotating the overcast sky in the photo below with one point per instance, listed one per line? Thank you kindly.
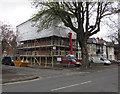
(15, 12)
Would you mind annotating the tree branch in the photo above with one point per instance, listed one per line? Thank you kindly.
(110, 13)
(69, 7)
(87, 16)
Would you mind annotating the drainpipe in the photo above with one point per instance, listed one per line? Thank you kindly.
(107, 51)
(71, 45)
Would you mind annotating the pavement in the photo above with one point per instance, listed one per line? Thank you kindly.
(9, 75)
(15, 74)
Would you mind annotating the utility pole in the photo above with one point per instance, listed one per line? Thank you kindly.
(0, 54)
(0, 65)
(119, 28)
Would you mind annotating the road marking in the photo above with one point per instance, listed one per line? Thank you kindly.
(71, 86)
(20, 81)
(67, 74)
(74, 73)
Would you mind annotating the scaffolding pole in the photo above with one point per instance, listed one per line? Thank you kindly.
(34, 61)
(40, 60)
(45, 61)
(31, 60)
(52, 61)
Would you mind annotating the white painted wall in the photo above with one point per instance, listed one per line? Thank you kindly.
(104, 52)
(111, 55)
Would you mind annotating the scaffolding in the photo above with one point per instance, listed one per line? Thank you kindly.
(43, 52)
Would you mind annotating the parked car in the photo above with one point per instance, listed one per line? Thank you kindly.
(8, 61)
(67, 60)
(101, 60)
(105, 61)
(117, 61)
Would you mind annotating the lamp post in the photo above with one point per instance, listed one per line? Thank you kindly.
(54, 48)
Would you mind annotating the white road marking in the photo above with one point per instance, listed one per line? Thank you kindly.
(67, 74)
(71, 86)
(73, 73)
(54, 76)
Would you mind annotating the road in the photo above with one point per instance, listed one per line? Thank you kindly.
(99, 81)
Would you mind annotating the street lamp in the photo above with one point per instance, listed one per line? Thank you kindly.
(54, 47)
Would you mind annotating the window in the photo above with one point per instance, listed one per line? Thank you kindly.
(35, 53)
(77, 55)
(80, 56)
(53, 53)
(102, 59)
(62, 42)
(110, 56)
(56, 52)
(60, 53)
(53, 41)
(67, 53)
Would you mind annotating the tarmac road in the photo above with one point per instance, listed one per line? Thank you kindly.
(99, 81)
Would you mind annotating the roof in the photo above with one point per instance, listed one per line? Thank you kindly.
(101, 42)
(92, 41)
(27, 32)
(109, 44)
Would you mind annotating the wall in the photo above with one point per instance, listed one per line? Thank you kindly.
(111, 55)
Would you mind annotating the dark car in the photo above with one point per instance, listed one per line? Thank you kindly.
(118, 61)
(7, 61)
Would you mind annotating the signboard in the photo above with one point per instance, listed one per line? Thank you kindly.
(59, 59)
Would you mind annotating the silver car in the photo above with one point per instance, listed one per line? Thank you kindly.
(101, 60)
(105, 61)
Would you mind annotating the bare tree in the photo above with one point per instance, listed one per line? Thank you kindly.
(87, 18)
(8, 37)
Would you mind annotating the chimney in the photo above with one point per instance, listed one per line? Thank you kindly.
(101, 39)
(97, 38)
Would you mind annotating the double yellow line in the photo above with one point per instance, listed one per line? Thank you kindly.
(21, 81)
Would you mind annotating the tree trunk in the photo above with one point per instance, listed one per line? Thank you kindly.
(84, 52)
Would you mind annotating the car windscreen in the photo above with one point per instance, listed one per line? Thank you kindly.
(73, 60)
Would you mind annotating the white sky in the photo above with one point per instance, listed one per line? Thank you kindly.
(14, 12)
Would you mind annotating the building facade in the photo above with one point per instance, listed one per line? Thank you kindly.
(110, 51)
(46, 46)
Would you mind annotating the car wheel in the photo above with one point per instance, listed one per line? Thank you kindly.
(77, 65)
